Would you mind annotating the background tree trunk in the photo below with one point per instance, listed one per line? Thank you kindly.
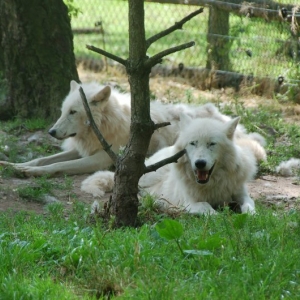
(217, 39)
(39, 62)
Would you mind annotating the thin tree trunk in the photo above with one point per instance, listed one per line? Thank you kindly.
(38, 57)
(130, 166)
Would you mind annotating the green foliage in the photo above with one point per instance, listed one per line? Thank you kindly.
(169, 229)
(173, 230)
(240, 221)
(230, 256)
(31, 193)
(189, 96)
(35, 192)
(13, 146)
(20, 125)
(73, 9)
(8, 172)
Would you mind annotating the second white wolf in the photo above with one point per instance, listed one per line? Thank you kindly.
(214, 171)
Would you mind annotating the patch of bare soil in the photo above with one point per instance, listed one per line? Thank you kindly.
(270, 190)
(275, 191)
(11, 200)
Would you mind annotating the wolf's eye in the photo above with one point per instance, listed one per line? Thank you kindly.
(193, 143)
(72, 112)
(211, 144)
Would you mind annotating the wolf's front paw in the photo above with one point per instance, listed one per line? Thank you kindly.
(5, 163)
(29, 171)
(248, 208)
(202, 208)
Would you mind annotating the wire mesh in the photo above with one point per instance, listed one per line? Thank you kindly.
(255, 46)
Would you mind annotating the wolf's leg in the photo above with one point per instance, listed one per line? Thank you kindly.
(48, 160)
(202, 208)
(248, 206)
(99, 161)
(246, 202)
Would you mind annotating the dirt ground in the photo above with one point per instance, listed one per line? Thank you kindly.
(270, 190)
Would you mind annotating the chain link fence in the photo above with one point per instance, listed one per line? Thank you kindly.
(235, 41)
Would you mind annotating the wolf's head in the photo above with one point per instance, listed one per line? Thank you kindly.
(208, 142)
(73, 120)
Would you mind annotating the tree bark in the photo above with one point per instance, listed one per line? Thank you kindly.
(130, 167)
(217, 39)
(38, 57)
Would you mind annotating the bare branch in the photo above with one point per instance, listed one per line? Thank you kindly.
(157, 58)
(105, 145)
(107, 54)
(176, 26)
(163, 162)
(160, 125)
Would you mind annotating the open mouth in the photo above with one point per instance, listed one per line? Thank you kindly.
(203, 176)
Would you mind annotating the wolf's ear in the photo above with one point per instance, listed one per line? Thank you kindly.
(184, 120)
(102, 96)
(73, 85)
(231, 126)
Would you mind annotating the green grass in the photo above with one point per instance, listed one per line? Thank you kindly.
(19, 125)
(227, 256)
(41, 186)
(233, 257)
(282, 138)
(11, 146)
(113, 15)
(263, 38)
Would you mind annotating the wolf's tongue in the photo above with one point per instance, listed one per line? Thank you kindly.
(202, 175)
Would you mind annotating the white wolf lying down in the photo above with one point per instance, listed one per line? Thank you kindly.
(83, 152)
(213, 172)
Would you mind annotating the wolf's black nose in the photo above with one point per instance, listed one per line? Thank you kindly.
(200, 163)
(52, 132)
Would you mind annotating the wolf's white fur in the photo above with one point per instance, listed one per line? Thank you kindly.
(215, 156)
(286, 168)
(83, 152)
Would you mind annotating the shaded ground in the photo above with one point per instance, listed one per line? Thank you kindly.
(269, 190)
(10, 199)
